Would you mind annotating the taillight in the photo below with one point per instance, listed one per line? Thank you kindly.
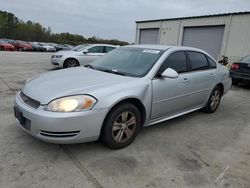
(235, 66)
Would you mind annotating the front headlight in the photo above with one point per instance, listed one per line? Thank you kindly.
(57, 56)
(72, 104)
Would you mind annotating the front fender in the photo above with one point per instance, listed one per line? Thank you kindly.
(140, 92)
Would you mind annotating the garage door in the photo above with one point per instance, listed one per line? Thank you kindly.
(208, 38)
(149, 36)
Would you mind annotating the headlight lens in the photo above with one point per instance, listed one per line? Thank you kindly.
(57, 56)
(72, 104)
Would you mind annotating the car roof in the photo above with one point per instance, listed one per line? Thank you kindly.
(147, 46)
(102, 45)
(164, 47)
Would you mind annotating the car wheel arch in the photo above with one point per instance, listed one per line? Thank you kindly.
(221, 86)
(68, 58)
(132, 100)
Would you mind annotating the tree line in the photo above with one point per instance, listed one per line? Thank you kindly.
(13, 28)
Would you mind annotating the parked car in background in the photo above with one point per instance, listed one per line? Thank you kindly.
(240, 71)
(59, 46)
(37, 47)
(47, 47)
(5, 46)
(21, 45)
(116, 95)
(69, 46)
(80, 55)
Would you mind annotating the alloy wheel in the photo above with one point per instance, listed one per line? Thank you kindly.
(215, 99)
(72, 63)
(124, 127)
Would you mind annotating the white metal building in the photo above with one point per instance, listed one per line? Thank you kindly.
(220, 34)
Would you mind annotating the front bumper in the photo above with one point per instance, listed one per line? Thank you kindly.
(61, 128)
(57, 62)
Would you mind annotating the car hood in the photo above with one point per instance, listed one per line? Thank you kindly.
(67, 52)
(48, 46)
(73, 81)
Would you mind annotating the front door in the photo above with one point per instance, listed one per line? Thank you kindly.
(170, 95)
(93, 54)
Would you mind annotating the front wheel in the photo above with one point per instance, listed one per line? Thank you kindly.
(69, 63)
(214, 100)
(121, 126)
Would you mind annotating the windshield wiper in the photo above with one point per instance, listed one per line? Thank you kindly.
(113, 71)
(89, 66)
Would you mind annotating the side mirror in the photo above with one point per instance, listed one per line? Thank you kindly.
(85, 51)
(170, 73)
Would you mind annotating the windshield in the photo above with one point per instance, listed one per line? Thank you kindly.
(80, 47)
(245, 59)
(128, 61)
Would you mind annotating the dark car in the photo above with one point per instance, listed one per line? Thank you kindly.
(59, 46)
(37, 47)
(22, 46)
(240, 71)
(5, 46)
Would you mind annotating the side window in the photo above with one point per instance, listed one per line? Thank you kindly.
(176, 61)
(108, 49)
(198, 61)
(211, 63)
(96, 49)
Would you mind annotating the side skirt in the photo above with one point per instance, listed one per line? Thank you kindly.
(165, 118)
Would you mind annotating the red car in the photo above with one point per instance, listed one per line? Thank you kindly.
(5, 46)
(22, 46)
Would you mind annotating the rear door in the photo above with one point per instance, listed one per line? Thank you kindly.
(202, 77)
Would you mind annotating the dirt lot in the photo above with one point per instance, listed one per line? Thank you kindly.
(196, 150)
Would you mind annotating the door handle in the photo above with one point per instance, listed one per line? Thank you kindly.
(185, 81)
(211, 75)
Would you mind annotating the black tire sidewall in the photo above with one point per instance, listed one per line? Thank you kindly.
(107, 137)
(66, 63)
(208, 106)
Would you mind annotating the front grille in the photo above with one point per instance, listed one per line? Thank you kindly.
(59, 134)
(29, 101)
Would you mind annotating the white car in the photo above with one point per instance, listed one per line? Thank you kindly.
(47, 47)
(80, 55)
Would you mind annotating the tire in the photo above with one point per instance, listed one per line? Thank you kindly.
(116, 132)
(214, 100)
(234, 81)
(69, 63)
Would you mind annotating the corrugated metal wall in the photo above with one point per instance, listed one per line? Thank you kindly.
(238, 44)
(236, 38)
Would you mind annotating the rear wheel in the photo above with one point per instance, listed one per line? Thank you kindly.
(121, 126)
(214, 100)
(69, 63)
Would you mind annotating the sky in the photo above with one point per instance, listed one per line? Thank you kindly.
(112, 19)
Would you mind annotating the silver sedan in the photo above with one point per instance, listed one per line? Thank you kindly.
(129, 88)
(80, 55)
